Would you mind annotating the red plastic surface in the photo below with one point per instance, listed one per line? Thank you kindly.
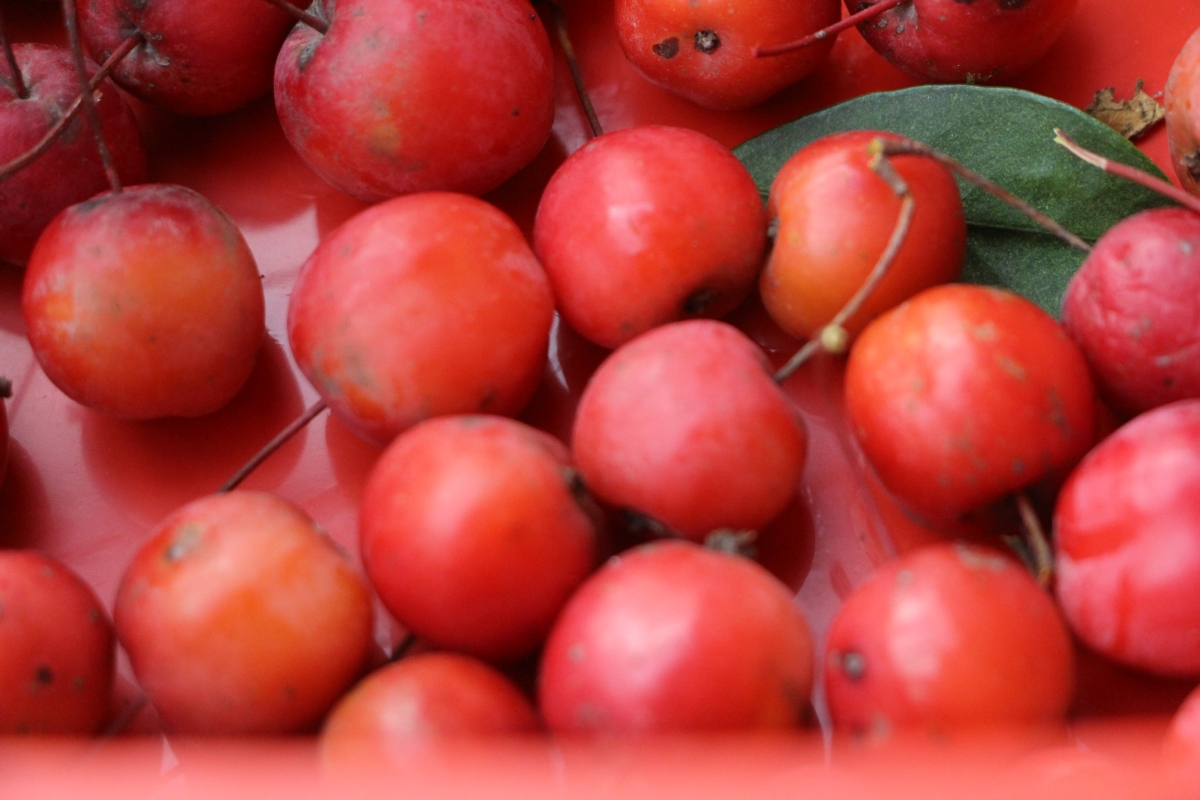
(89, 489)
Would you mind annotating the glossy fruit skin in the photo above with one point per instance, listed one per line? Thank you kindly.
(240, 616)
(1182, 104)
(685, 424)
(199, 57)
(965, 41)
(145, 304)
(646, 226)
(835, 216)
(473, 533)
(704, 49)
(1182, 744)
(401, 96)
(1127, 536)
(424, 305)
(69, 171)
(421, 699)
(1131, 310)
(57, 649)
(948, 636)
(965, 394)
(672, 637)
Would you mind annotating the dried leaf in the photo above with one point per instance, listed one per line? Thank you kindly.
(1131, 117)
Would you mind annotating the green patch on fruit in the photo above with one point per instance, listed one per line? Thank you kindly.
(1007, 135)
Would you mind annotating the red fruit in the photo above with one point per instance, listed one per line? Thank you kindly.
(949, 635)
(965, 41)
(69, 171)
(1182, 745)
(965, 394)
(1127, 535)
(704, 49)
(240, 616)
(835, 216)
(145, 303)
(56, 649)
(197, 57)
(685, 424)
(473, 534)
(1182, 104)
(424, 698)
(425, 305)
(403, 96)
(671, 637)
(1131, 309)
(647, 226)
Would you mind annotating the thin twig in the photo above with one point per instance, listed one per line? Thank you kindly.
(287, 433)
(18, 79)
(316, 23)
(1043, 558)
(89, 99)
(1165, 188)
(902, 146)
(32, 154)
(564, 41)
(825, 33)
(833, 337)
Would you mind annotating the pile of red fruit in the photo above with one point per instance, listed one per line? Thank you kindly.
(588, 568)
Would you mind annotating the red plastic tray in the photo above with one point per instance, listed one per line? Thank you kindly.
(89, 489)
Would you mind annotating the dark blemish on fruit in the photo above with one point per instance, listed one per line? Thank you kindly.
(667, 48)
(44, 676)
(1018, 466)
(306, 53)
(47, 571)
(78, 683)
(1011, 367)
(289, 692)
(421, 15)
(1168, 381)
(707, 42)
(1011, 5)
(140, 5)
(93, 615)
(516, 112)
(853, 665)
(699, 300)
(489, 399)
(1191, 162)
(1058, 417)
(965, 2)
(533, 17)
(184, 542)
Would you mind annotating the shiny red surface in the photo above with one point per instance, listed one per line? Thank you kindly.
(89, 489)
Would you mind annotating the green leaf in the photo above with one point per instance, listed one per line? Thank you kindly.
(1007, 135)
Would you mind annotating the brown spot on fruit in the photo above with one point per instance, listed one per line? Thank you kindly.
(667, 48)
(707, 42)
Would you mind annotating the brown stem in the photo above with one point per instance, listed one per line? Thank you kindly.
(18, 79)
(1043, 558)
(32, 154)
(1165, 188)
(833, 337)
(89, 99)
(262, 455)
(311, 20)
(833, 30)
(564, 41)
(902, 146)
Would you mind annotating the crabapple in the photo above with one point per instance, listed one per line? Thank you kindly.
(671, 636)
(69, 171)
(57, 649)
(473, 534)
(1131, 310)
(241, 616)
(949, 635)
(401, 96)
(685, 424)
(965, 394)
(704, 49)
(427, 304)
(645, 226)
(1182, 745)
(196, 57)
(1182, 105)
(835, 216)
(1127, 540)
(145, 303)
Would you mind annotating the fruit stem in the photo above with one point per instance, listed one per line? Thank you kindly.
(902, 146)
(1165, 188)
(5, 388)
(29, 156)
(17, 78)
(564, 41)
(270, 447)
(870, 12)
(311, 20)
(89, 99)
(401, 650)
(833, 337)
(1043, 559)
